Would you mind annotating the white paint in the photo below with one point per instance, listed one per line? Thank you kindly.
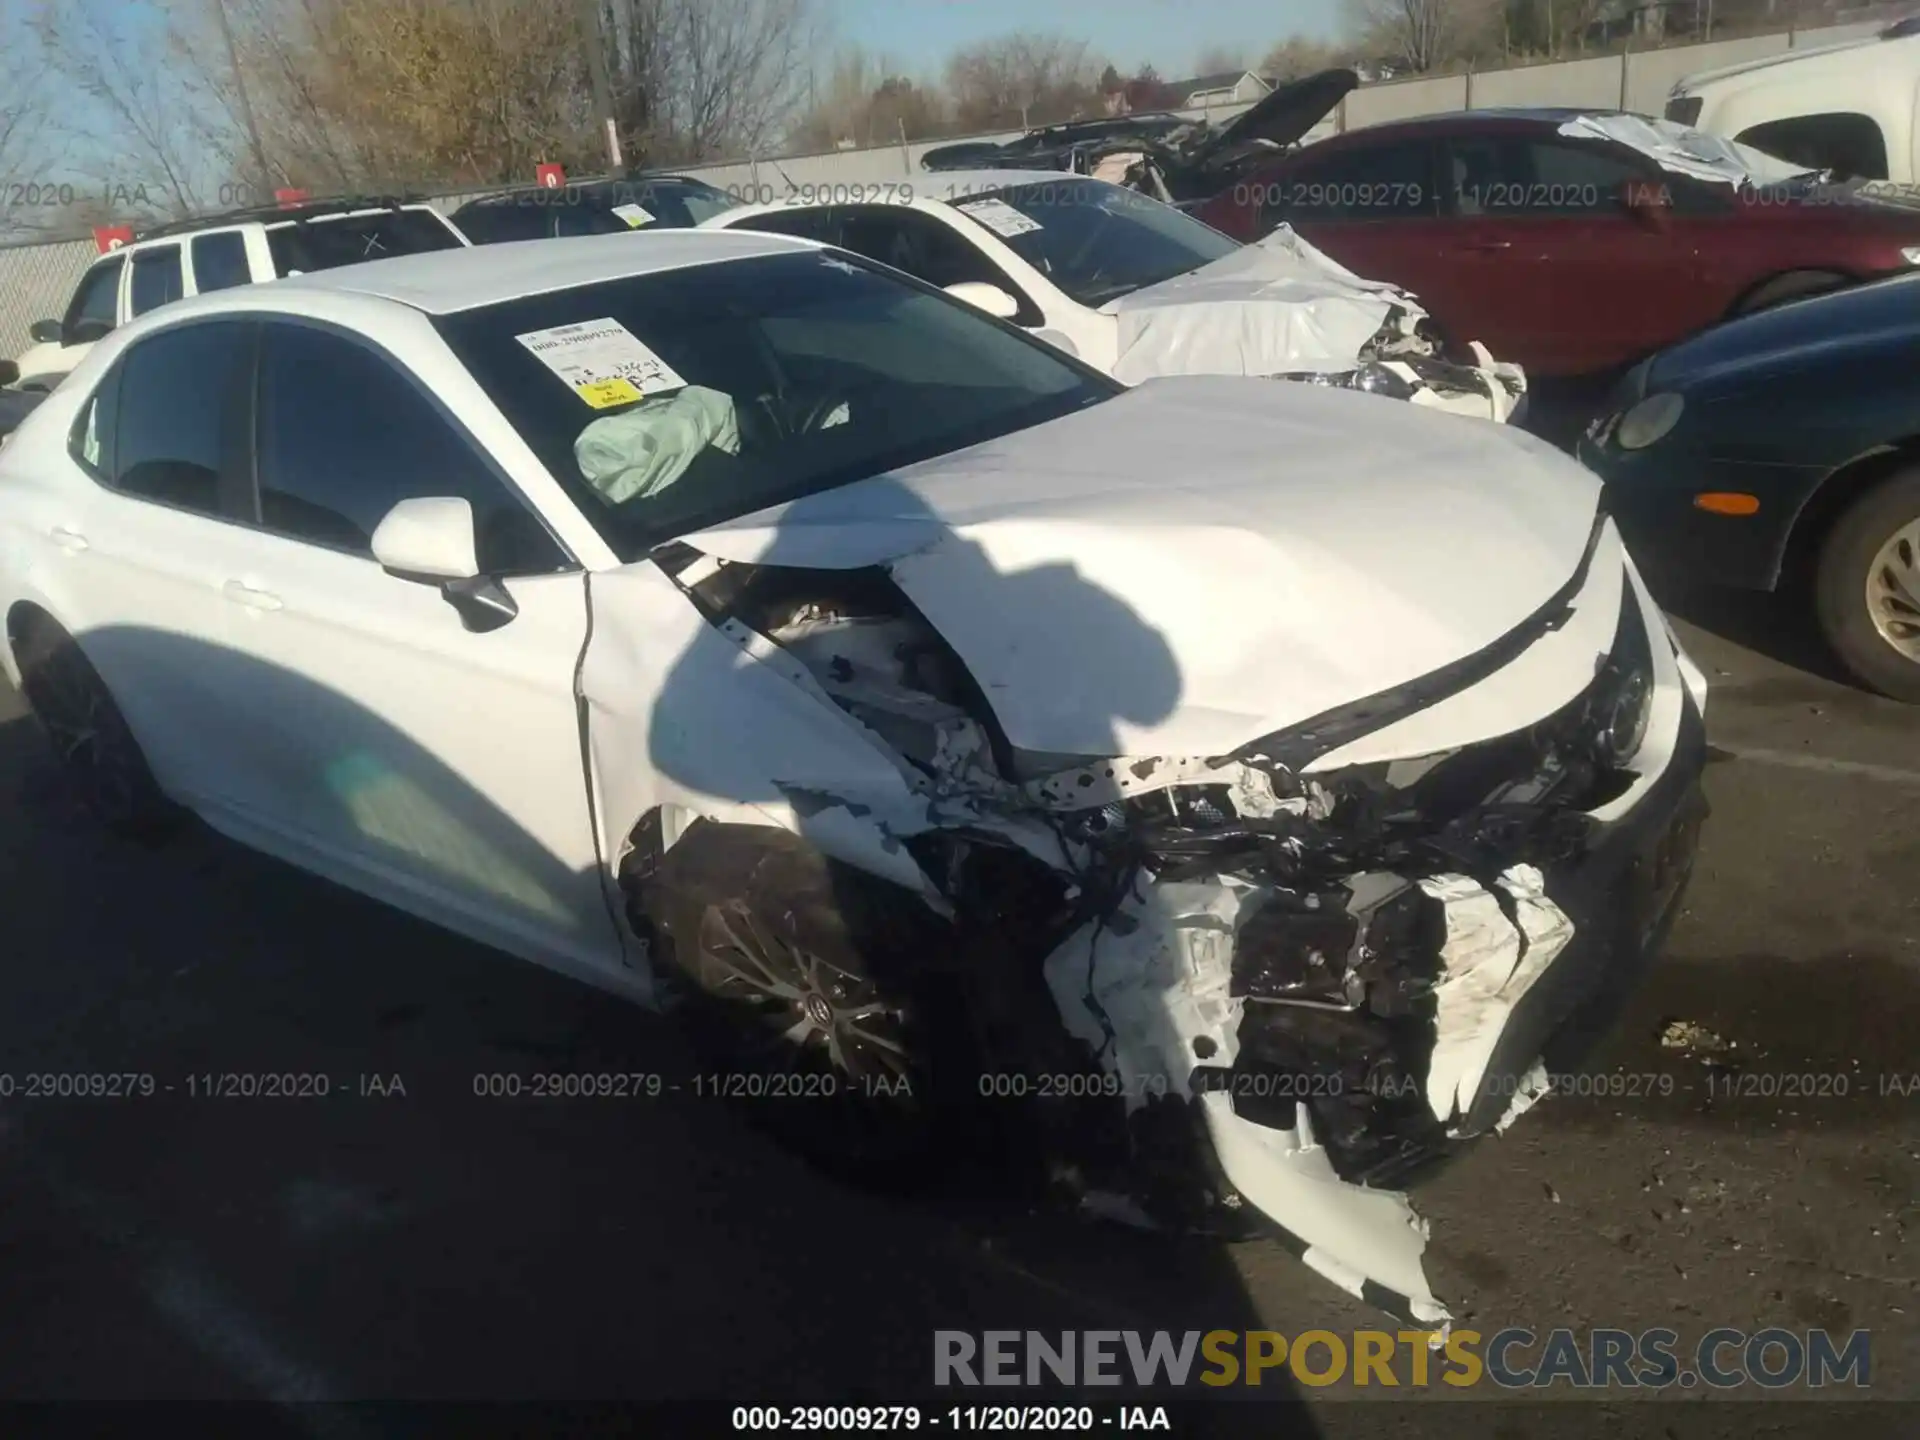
(1683, 150)
(1207, 553)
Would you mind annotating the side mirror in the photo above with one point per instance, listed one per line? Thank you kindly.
(990, 298)
(1058, 339)
(429, 539)
(1647, 201)
(46, 332)
(9, 372)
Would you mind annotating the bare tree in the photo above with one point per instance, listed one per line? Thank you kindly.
(706, 79)
(1427, 34)
(866, 101)
(141, 125)
(1219, 60)
(1023, 79)
(31, 149)
(1297, 57)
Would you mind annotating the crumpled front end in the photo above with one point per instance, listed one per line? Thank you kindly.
(1388, 959)
(1291, 978)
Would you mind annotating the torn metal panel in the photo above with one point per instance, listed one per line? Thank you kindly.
(1488, 964)
(1684, 150)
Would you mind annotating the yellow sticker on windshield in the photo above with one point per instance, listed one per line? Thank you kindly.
(601, 394)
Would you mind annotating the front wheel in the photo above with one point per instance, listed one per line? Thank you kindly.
(1867, 588)
(797, 986)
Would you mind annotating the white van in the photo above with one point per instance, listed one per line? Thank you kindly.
(1852, 108)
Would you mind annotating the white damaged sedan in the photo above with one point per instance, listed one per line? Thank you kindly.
(1142, 290)
(1236, 795)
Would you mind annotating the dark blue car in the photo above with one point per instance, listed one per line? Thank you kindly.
(1783, 449)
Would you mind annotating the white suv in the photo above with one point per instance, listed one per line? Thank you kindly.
(196, 256)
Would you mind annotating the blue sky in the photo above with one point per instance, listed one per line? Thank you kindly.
(1170, 34)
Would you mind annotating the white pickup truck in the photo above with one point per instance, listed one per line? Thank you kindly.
(194, 257)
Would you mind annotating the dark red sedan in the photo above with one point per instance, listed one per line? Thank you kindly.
(1570, 250)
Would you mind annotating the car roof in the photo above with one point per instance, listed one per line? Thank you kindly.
(1854, 59)
(441, 282)
(589, 192)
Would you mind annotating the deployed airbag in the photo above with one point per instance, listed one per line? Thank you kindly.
(643, 450)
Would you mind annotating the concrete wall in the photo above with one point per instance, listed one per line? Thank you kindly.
(35, 280)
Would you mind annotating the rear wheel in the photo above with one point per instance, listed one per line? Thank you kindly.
(1794, 285)
(1867, 587)
(90, 737)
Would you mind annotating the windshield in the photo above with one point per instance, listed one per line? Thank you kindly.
(1093, 240)
(329, 240)
(669, 402)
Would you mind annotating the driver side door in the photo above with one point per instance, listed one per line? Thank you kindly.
(390, 746)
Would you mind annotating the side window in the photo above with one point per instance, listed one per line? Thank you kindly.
(343, 435)
(1848, 144)
(93, 310)
(508, 220)
(1514, 175)
(174, 393)
(156, 278)
(219, 261)
(926, 249)
(1381, 182)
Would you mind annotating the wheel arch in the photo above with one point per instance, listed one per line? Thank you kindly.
(24, 617)
(1831, 499)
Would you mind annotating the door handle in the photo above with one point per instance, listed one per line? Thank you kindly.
(1488, 245)
(71, 541)
(242, 593)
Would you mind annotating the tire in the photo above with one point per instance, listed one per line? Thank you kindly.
(1867, 587)
(1794, 285)
(796, 983)
(96, 750)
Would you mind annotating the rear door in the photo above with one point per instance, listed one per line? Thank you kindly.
(1545, 263)
(1374, 208)
(140, 554)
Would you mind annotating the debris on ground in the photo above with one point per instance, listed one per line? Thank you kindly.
(1696, 1041)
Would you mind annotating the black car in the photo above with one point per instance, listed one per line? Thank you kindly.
(593, 207)
(1784, 448)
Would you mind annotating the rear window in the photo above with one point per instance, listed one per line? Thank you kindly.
(329, 241)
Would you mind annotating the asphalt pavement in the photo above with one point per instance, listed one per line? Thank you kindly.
(405, 1237)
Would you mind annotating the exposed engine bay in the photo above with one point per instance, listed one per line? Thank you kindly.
(1407, 359)
(1288, 987)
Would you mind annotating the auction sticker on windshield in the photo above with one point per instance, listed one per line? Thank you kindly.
(1000, 217)
(604, 362)
(634, 215)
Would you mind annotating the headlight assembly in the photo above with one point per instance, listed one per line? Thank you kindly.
(1910, 254)
(1649, 421)
(1370, 376)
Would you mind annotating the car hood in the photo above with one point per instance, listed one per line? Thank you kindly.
(1202, 561)
(1275, 306)
(1285, 114)
(1799, 335)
